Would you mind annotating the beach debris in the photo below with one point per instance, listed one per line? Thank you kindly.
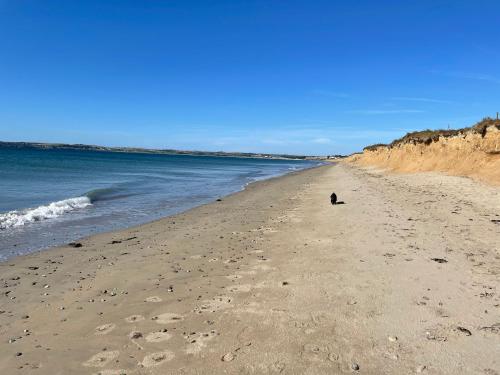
(464, 330)
(284, 283)
(392, 338)
(355, 366)
(439, 260)
(75, 244)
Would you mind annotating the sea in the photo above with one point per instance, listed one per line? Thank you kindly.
(50, 197)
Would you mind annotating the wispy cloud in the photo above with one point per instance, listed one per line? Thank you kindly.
(385, 111)
(473, 76)
(423, 100)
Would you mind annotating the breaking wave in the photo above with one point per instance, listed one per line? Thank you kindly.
(21, 217)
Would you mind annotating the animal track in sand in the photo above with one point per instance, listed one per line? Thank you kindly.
(101, 359)
(214, 304)
(156, 359)
(105, 329)
(198, 341)
(158, 336)
(167, 318)
(134, 318)
(153, 299)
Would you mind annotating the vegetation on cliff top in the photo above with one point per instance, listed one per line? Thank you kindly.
(430, 136)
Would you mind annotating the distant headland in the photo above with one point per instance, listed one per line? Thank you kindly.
(82, 147)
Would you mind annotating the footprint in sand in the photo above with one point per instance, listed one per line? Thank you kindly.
(102, 359)
(242, 288)
(157, 359)
(214, 304)
(105, 329)
(111, 372)
(198, 341)
(153, 299)
(158, 336)
(134, 318)
(167, 318)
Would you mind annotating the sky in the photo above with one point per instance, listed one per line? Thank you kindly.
(300, 77)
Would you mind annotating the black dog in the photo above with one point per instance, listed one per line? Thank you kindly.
(333, 198)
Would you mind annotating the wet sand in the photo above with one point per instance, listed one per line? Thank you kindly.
(403, 278)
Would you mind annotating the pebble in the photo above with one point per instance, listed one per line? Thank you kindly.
(228, 357)
(392, 338)
(355, 366)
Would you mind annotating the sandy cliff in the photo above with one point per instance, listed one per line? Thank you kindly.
(473, 152)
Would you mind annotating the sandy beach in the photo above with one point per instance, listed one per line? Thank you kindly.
(403, 278)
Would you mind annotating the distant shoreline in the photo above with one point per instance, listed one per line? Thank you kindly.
(139, 150)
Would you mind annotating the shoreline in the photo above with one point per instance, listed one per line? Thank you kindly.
(181, 210)
(272, 279)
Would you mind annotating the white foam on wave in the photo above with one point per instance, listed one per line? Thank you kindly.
(19, 218)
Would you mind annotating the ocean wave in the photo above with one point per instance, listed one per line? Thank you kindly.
(19, 218)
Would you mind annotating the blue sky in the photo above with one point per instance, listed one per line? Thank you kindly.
(308, 77)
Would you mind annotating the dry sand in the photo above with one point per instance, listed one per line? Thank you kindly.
(403, 278)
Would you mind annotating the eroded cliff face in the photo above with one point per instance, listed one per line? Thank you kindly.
(469, 153)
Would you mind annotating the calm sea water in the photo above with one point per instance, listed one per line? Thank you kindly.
(51, 197)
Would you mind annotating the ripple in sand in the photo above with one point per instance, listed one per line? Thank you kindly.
(167, 318)
(153, 299)
(102, 359)
(105, 329)
(157, 359)
(158, 336)
(134, 318)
